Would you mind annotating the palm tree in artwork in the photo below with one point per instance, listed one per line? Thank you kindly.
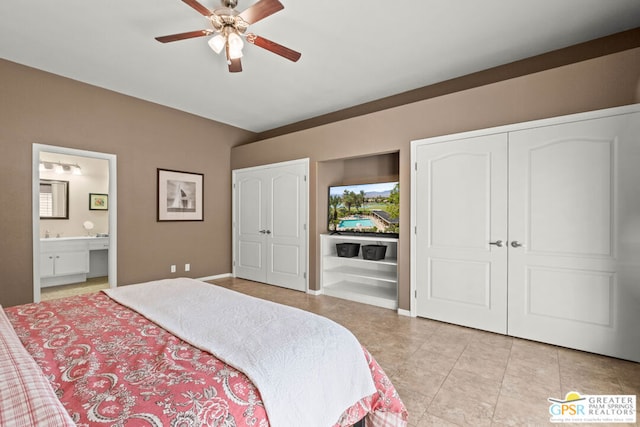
(361, 199)
(348, 199)
(334, 202)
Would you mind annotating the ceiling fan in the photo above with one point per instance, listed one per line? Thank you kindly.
(229, 27)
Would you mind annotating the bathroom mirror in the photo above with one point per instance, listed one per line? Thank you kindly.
(54, 199)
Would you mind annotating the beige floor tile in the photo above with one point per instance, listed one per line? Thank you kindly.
(415, 403)
(520, 387)
(588, 373)
(545, 370)
(628, 374)
(484, 350)
(452, 348)
(455, 407)
(481, 365)
(526, 411)
(425, 383)
(430, 420)
(427, 359)
(91, 285)
(586, 384)
(493, 339)
(472, 385)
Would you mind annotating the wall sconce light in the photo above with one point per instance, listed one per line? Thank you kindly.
(60, 168)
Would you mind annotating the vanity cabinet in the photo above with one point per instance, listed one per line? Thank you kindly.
(98, 257)
(72, 259)
(367, 281)
(63, 263)
(63, 258)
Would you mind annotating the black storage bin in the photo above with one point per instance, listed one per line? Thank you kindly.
(374, 252)
(348, 250)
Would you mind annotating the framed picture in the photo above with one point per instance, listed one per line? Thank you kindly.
(98, 202)
(180, 196)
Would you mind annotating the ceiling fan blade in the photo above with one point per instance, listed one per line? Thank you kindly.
(260, 10)
(183, 36)
(235, 66)
(274, 47)
(198, 7)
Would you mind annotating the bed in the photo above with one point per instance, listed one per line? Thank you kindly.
(142, 355)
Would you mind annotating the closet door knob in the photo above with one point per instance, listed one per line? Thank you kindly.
(497, 243)
(516, 244)
(268, 231)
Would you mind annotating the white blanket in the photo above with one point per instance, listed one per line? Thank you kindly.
(308, 368)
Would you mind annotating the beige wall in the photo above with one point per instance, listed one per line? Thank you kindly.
(606, 81)
(40, 107)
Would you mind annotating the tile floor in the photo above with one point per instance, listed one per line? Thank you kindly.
(449, 375)
(91, 285)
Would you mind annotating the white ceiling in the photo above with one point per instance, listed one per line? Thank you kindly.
(352, 51)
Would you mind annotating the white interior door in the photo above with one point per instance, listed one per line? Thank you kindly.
(250, 258)
(461, 253)
(286, 234)
(574, 207)
(270, 237)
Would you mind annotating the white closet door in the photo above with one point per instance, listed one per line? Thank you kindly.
(286, 238)
(250, 224)
(574, 206)
(270, 237)
(461, 193)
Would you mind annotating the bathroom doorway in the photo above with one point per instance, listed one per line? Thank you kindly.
(74, 221)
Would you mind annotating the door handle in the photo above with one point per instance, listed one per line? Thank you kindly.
(516, 244)
(262, 231)
(497, 243)
(268, 231)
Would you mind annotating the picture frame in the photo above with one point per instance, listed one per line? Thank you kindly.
(180, 196)
(98, 202)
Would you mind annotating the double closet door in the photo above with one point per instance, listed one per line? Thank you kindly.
(534, 233)
(269, 224)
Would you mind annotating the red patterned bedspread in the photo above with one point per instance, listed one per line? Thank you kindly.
(108, 364)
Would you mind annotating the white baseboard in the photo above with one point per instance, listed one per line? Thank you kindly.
(217, 276)
(402, 312)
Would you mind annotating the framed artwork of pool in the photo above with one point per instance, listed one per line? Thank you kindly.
(369, 209)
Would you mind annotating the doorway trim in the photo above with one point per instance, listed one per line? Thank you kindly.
(35, 197)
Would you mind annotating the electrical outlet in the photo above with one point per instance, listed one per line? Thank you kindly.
(187, 267)
(173, 268)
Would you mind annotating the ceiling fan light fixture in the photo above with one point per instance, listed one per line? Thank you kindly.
(235, 53)
(235, 41)
(217, 43)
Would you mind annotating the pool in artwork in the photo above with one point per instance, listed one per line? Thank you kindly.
(356, 223)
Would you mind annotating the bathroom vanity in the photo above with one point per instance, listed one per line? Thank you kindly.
(65, 260)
